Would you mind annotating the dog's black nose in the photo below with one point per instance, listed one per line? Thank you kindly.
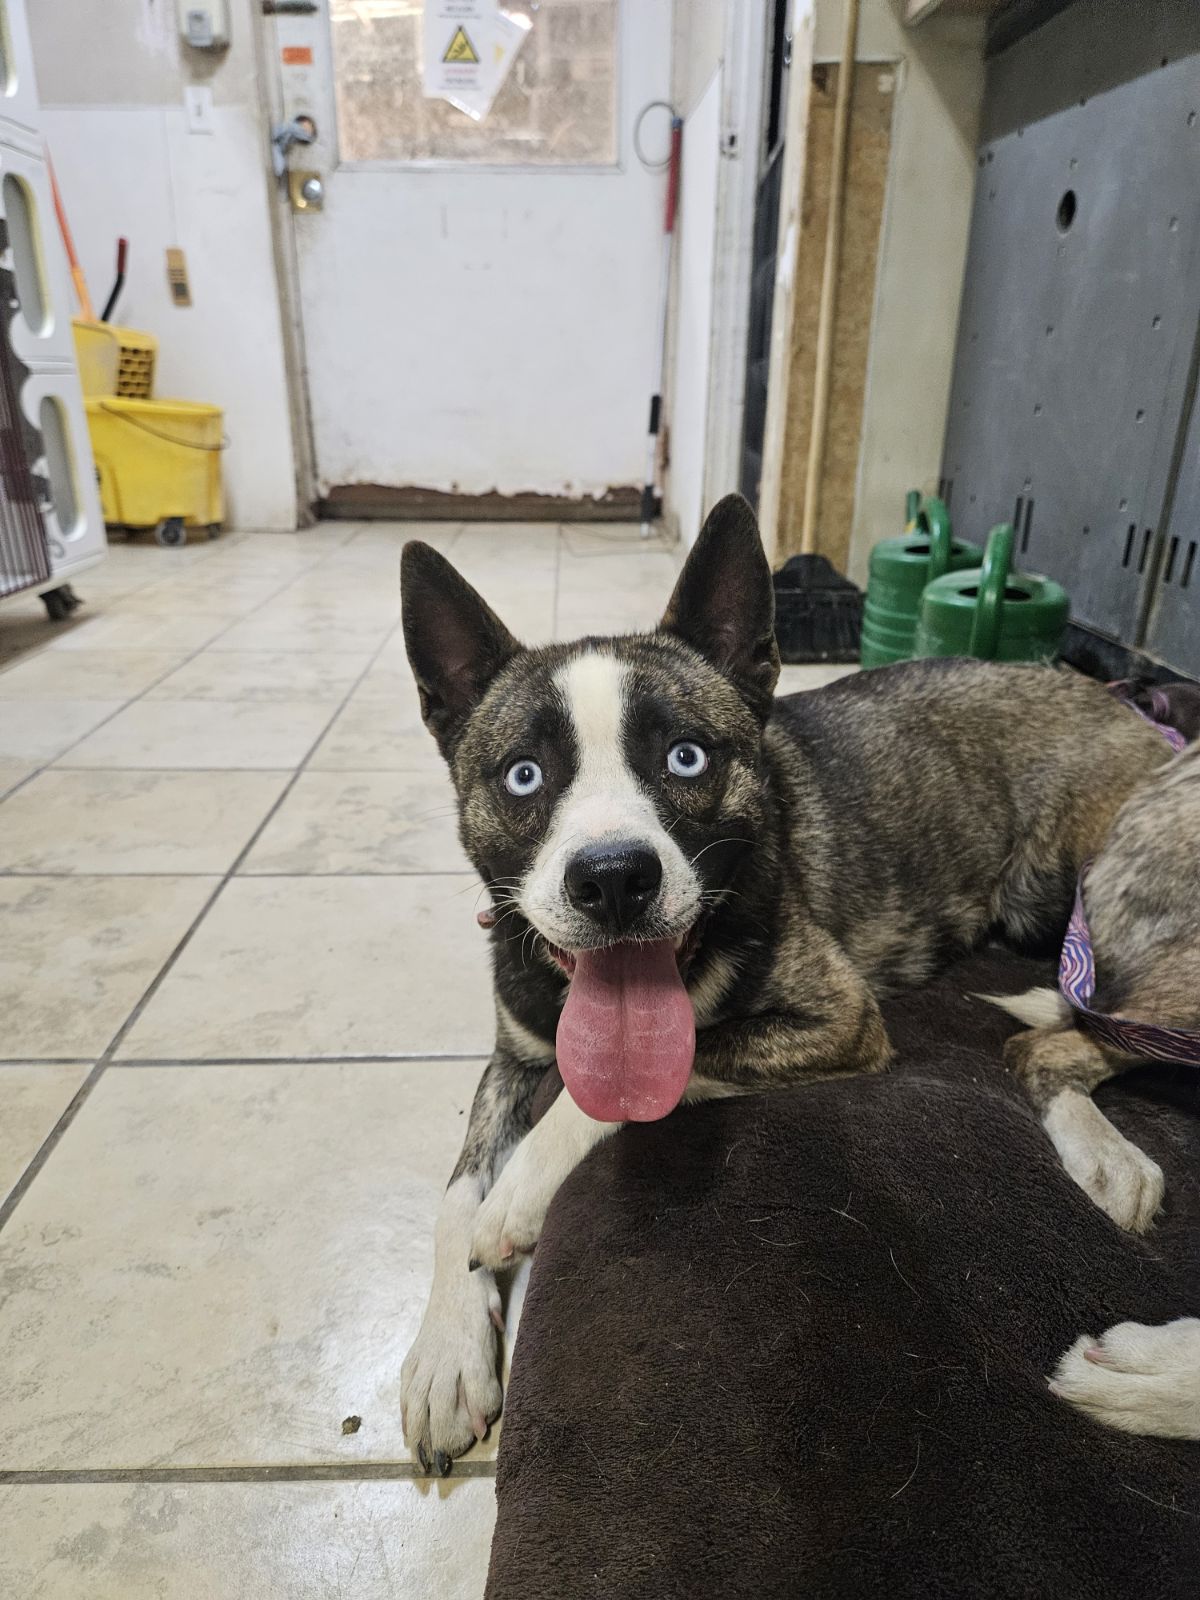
(613, 884)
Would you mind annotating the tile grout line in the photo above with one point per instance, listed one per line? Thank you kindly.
(558, 555)
(46, 1148)
(394, 872)
(232, 870)
(46, 1061)
(133, 699)
(328, 1472)
(20, 657)
(44, 1151)
(401, 772)
(435, 1057)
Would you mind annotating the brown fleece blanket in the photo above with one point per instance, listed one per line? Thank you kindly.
(796, 1344)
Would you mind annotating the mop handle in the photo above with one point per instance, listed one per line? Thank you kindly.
(649, 506)
(119, 280)
(77, 277)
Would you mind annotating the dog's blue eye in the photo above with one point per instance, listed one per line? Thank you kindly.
(523, 778)
(686, 759)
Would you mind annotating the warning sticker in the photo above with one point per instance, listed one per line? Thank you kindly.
(461, 48)
(470, 45)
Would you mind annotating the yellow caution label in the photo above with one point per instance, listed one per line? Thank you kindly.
(460, 48)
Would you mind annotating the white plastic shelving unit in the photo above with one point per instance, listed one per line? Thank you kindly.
(40, 338)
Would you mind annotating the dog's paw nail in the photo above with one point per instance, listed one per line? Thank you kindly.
(442, 1462)
(474, 1264)
(506, 1250)
(1095, 1354)
(479, 1424)
(497, 1317)
(423, 1457)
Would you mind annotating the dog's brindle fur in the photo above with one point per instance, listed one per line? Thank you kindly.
(845, 843)
(1142, 899)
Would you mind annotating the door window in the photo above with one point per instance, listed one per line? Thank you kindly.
(557, 107)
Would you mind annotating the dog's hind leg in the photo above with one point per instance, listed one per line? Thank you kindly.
(1059, 1068)
(449, 1387)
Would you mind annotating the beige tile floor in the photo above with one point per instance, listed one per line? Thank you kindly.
(244, 1005)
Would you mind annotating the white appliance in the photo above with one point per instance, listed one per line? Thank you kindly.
(42, 372)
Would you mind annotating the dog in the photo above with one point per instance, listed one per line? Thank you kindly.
(1142, 902)
(697, 888)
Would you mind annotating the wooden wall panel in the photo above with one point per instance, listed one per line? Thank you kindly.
(866, 178)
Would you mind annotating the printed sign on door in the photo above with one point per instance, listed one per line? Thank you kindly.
(470, 45)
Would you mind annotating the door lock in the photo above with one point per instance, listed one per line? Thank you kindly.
(301, 130)
(306, 191)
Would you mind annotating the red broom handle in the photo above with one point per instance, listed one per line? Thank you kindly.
(673, 174)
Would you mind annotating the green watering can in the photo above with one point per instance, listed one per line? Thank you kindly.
(994, 614)
(900, 569)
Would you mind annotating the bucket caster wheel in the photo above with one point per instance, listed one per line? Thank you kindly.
(171, 532)
(60, 602)
(214, 530)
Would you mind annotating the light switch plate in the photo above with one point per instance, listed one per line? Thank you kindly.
(198, 104)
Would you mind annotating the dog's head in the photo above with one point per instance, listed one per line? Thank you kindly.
(608, 788)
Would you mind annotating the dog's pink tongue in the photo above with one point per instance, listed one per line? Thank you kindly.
(627, 1034)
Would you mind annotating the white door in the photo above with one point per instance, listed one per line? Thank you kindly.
(479, 298)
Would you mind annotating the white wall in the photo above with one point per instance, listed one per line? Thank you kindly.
(697, 43)
(922, 252)
(694, 282)
(111, 74)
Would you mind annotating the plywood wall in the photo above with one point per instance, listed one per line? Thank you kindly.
(867, 170)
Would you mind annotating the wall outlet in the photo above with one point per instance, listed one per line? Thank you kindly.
(198, 105)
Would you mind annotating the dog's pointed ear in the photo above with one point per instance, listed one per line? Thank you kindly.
(456, 643)
(724, 602)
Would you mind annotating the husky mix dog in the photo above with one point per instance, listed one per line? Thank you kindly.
(700, 888)
(1142, 903)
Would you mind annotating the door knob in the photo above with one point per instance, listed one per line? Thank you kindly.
(306, 191)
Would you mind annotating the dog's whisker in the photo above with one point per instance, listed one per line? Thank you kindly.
(733, 839)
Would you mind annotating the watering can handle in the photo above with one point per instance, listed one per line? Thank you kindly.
(993, 576)
(936, 521)
(912, 509)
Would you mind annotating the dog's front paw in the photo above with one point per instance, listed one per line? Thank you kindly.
(1139, 1378)
(1120, 1178)
(509, 1222)
(449, 1391)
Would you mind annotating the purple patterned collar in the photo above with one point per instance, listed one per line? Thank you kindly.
(1077, 981)
(1172, 735)
(1077, 971)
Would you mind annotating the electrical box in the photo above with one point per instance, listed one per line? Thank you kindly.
(204, 24)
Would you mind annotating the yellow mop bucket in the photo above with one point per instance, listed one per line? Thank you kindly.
(159, 464)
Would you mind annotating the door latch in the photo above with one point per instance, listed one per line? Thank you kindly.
(301, 130)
